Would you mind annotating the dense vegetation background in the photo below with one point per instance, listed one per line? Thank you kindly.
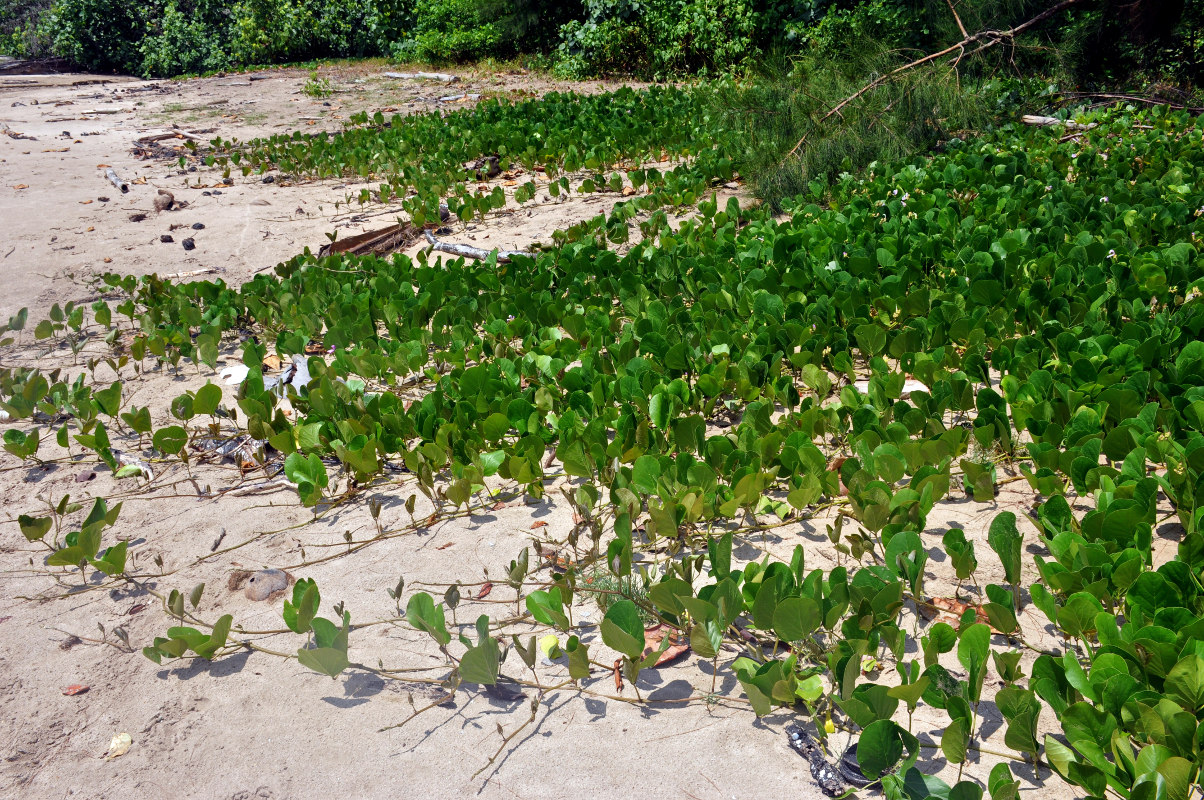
(1107, 41)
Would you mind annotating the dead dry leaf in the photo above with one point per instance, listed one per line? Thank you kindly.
(618, 674)
(119, 746)
(272, 361)
(486, 588)
(21, 186)
(539, 523)
(445, 545)
(677, 643)
(953, 610)
(74, 689)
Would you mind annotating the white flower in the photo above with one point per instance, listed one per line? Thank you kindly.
(1103, 199)
(1111, 254)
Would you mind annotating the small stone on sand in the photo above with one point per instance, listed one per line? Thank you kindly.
(265, 582)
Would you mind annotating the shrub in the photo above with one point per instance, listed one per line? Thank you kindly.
(453, 31)
(658, 38)
(269, 31)
(188, 36)
(842, 25)
(99, 34)
(1137, 42)
(22, 32)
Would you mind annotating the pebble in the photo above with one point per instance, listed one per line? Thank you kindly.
(166, 238)
(265, 582)
(189, 244)
(198, 226)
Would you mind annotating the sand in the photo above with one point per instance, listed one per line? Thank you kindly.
(254, 725)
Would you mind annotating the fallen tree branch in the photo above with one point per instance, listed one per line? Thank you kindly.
(468, 251)
(960, 26)
(1134, 98)
(430, 76)
(987, 38)
(175, 276)
(1044, 122)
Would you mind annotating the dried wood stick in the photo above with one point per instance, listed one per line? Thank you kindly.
(432, 76)
(1043, 121)
(468, 251)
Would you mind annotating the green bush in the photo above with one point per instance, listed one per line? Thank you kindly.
(269, 31)
(452, 31)
(22, 33)
(171, 37)
(1136, 43)
(842, 25)
(658, 38)
(99, 34)
(188, 36)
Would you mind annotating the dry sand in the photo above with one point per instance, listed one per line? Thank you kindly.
(254, 725)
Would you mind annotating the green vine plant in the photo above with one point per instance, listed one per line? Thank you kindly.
(1020, 309)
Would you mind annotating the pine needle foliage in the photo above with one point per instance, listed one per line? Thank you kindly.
(902, 119)
(789, 102)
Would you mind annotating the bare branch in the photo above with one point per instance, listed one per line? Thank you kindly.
(468, 251)
(960, 26)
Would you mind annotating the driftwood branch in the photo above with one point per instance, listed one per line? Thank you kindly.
(1045, 122)
(960, 26)
(1133, 98)
(468, 251)
(116, 181)
(429, 76)
(192, 273)
(984, 39)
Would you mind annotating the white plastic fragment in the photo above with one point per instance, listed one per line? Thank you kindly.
(909, 385)
(234, 375)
